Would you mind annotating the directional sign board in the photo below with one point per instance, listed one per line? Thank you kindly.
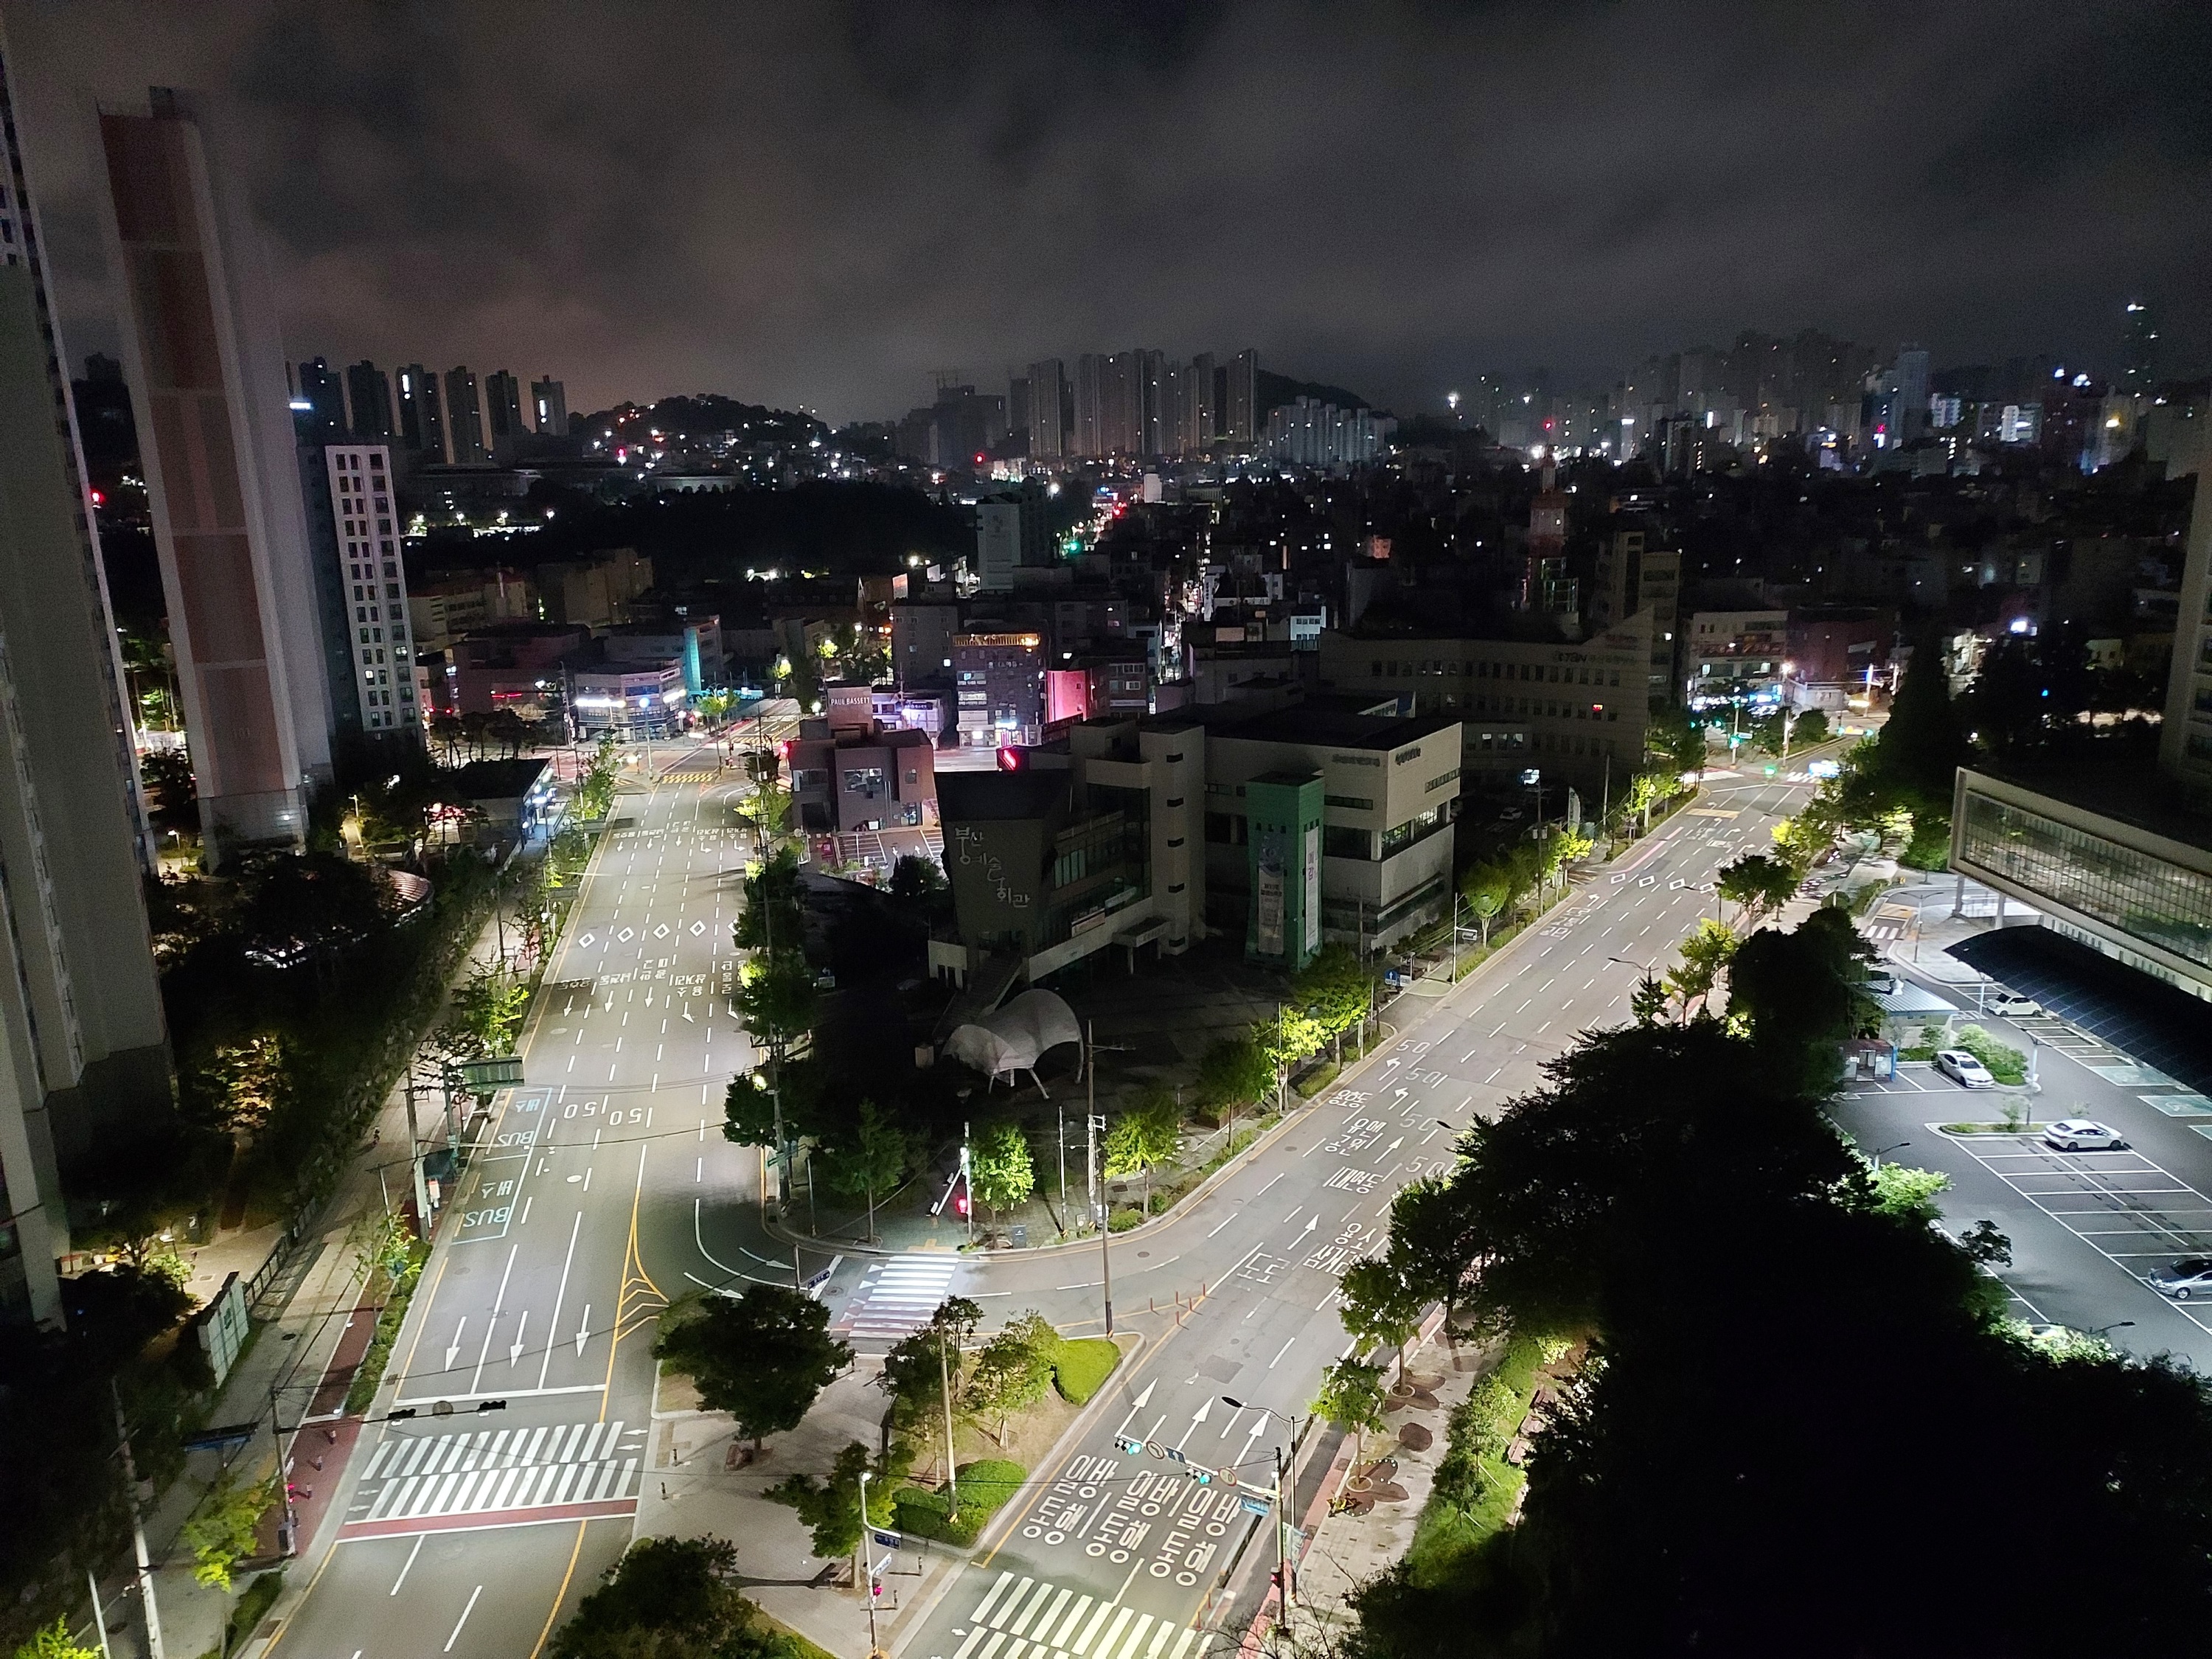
(478, 1075)
(1257, 1505)
(816, 1281)
(886, 1541)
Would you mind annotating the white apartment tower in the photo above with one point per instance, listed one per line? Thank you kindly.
(365, 522)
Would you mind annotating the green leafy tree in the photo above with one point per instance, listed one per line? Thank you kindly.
(490, 1005)
(1145, 1137)
(1898, 1189)
(1677, 741)
(1235, 1070)
(671, 1598)
(1704, 955)
(1758, 885)
(1351, 1397)
(1000, 1167)
(773, 919)
(1800, 994)
(749, 1114)
(918, 884)
(777, 999)
(831, 1507)
(869, 1158)
(762, 1356)
(1335, 990)
(53, 1642)
(918, 1365)
(1012, 1370)
(1485, 889)
(1382, 1304)
(1647, 1003)
(595, 790)
(224, 1528)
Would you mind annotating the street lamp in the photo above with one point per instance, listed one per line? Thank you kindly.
(868, 1561)
(2120, 1326)
(1285, 1471)
(1899, 1147)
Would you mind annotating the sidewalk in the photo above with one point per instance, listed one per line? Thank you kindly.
(298, 1357)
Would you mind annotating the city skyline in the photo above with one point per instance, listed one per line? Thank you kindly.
(420, 202)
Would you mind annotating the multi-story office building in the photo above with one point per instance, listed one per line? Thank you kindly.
(1372, 866)
(322, 389)
(1731, 654)
(1577, 712)
(1088, 844)
(921, 644)
(422, 417)
(1000, 678)
(83, 1052)
(851, 778)
(207, 378)
(365, 539)
(503, 406)
(464, 418)
(550, 399)
(369, 390)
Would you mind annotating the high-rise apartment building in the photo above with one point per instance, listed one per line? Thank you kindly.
(422, 415)
(1049, 436)
(83, 1051)
(464, 418)
(207, 381)
(2139, 367)
(1090, 374)
(1155, 420)
(1202, 429)
(364, 544)
(323, 391)
(503, 406)
(549, 398)
(1241, 412)
(369, 389)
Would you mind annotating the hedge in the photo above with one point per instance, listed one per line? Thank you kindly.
(1082, 1366)
(986, 1487)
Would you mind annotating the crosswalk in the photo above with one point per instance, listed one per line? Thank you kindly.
(1022, 1618)
(688, 777)
(897, 1296)
(494, 1472)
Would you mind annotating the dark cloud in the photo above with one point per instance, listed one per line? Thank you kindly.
(822, 203)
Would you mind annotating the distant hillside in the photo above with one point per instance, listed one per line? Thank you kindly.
(1276, 389)
(707, 415)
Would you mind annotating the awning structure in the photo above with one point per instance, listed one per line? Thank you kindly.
(1015, 1037)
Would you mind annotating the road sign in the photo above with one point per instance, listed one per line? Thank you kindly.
(816, 1281)
(228, 1438)
(480, 1074)
(887, 1540)
(1256, 1505)
(1175, 1455)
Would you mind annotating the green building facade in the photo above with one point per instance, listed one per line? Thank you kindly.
(1283, 812)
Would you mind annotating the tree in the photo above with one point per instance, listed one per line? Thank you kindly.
(1676, 739)
(918, 883)
(773, 918)
(223, 1530)
(1334, 989)
(1703, 954)
(1484, 890)
(832, 1506)
(53, 1642)
(1235, 1069)
(1647, 1003)
(1146, 1136)
(1381, 1305)
(670, 1598)
(595, 790)
(1757, 884)
(1351, 1395)
(490, 1006)
(1900, 1190)
(870, 1157)
(918, 1365)
(777, 999)
(999, 1167)
(1800, 994)
(749, 1111)
(762, 1356)
(1012, 1369)
(1920, 747)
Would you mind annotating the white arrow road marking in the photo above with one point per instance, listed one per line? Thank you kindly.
(1259, 1426)
(1312, 1224)
(1199, 1418)
(1138, 1405)
(1394, 1146)
(453, 1348)
(514, 1349)
(584, 1331)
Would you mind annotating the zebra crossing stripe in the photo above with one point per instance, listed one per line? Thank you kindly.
(975, 1637)
(1113, 1634)
(1021, 1625)
(1074, 1614)
(1083, 1642)
(984, 1612)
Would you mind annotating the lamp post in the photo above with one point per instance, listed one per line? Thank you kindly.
(1285, 1473)
(868, 1567)
(1878, 1152)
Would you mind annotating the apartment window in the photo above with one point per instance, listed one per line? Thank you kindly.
(1337, 843)
(1351, 803)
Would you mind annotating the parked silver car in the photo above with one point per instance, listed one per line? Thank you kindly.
(2192, 1275)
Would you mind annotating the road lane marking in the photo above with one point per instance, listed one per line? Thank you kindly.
(407, 1569)
(463, 1619)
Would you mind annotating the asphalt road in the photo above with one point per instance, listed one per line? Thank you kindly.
(607, 1189)
(1107, 1556)
(2084, 1225)
(464, 1533)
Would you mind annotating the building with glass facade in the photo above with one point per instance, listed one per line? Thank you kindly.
(2139, 895)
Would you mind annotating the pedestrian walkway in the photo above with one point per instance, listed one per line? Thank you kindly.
(496, 1477)
(1021, 1618)
(897, 1297)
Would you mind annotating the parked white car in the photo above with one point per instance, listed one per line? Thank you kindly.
(2082, 1135)
(1964, 1069)
(2010, 1005)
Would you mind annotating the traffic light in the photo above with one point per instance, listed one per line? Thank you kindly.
(1129, 1444)
(1010, 759)
(1203, 1476)
(960, 1205)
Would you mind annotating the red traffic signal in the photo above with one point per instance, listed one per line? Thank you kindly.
(960, 1204)
(1010, 759)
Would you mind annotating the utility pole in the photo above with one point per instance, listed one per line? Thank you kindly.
(968, 1182)
(99, 1615)
(138, 1529)
(868, 1560)
(415, 1159)
(944, 1383)
(1098, 1211)
(1282, 1550)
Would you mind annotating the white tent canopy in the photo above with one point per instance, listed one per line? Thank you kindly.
(1016, 1037)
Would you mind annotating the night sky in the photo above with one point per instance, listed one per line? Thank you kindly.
(820, 204)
